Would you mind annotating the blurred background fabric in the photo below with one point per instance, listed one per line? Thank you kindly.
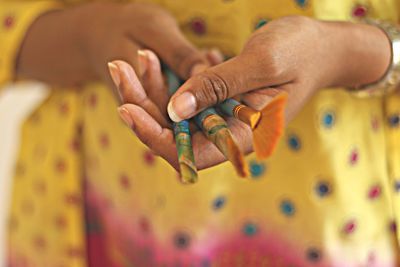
(16, 103)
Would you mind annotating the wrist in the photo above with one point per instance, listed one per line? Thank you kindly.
(360, 53)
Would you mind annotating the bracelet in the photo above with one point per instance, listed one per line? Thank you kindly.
(391, 78)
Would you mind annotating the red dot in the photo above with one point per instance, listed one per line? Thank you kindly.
(20, 169)
(374, 192)
(393, 226)
(149, 157)
(104, 140)
(371, 257)
(79, 129)
(354, 156)
(92, 100)
(60, 222)
(359, 11)
(8, 22)
(64, 108)
(75, 145)
(40, 187)
(375, 124)
(73, 198)
(39, 242)
(61, 166)
(125, 181)
(13, 223)
(198, 26)
(350, 227)
(73, 252)
(144, 225)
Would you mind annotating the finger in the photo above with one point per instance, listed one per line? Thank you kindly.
(172, 47)
(152, 79)
(215, 56)
(235, 76)
(125, 50)
(131, 90)
(150, 132)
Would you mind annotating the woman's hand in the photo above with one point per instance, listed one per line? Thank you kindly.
(145, 99)
(74, 45)
(298, 55)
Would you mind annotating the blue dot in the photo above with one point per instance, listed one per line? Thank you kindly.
(314, 255)
(257, 169)
(323, 189)
(260, 23)
(301, 3)
(205, 263)
(287, 208)
(294, 142)
(328, 119)
(397, 186)
(219, 203)
(250, 229)
(394, 120)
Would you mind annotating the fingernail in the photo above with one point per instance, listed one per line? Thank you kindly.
(182, 107)
(124, 114)
(114, 72)
(142, 62)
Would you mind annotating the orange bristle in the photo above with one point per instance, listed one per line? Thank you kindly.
(236, 156)
(270, 127)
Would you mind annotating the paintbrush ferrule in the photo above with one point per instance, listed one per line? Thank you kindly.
(233, 108)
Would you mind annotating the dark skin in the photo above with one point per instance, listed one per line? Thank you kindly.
(293, 54)
(70, 46)
(279, 57)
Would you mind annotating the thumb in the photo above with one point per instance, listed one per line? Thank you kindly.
(208, 88)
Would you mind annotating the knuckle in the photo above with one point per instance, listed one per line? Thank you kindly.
(214, 88)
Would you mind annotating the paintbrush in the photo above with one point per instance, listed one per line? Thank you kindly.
(187, 165)
(216, 130)
(267, 125)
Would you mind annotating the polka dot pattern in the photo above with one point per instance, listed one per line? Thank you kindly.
(182, 240)
(301, 3)
(323, 189)
(294, 142)
(350, 227)
(8, 22)
(313, 255)
(136, 205)
(287, 208)
(250, 229)
(394, 120)
(354, 156)
(260, 23)
(374, 192)
(198, 26)
(328, 119)
(219, 203)
(149, 158)
(257, 169)
(359, 11)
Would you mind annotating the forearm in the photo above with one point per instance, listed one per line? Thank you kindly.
(363, 53)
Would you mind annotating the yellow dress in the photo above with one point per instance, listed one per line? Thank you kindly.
(88, 193)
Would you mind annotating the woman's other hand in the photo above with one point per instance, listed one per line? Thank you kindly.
(74, 45)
